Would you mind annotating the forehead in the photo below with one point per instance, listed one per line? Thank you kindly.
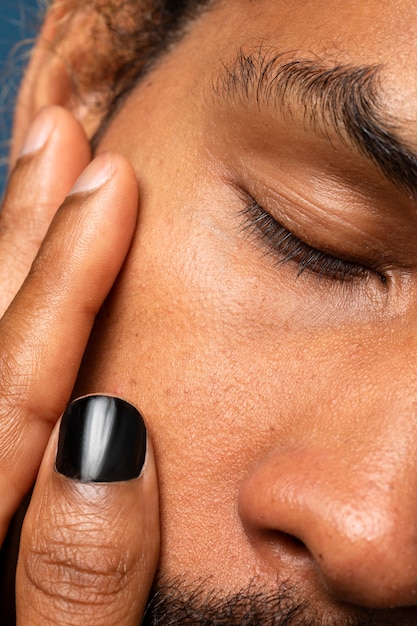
(355, 30)
(380, 33)
(375, 34)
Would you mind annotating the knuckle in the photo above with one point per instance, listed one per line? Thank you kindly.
(15, 384)
(23, 215)
(81, 568)
(15, 368)
(13, 399)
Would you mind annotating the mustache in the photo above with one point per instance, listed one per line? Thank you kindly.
(178, 603)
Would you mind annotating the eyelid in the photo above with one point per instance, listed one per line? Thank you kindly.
(287, 247)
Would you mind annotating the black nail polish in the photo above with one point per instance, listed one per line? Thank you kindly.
(101, 439)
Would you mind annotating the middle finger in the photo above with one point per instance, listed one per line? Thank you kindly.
(55, 152)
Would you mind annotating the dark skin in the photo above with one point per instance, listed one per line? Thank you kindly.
(280, 399)
(77, 251)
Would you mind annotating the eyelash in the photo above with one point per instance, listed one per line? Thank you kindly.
(288, 248)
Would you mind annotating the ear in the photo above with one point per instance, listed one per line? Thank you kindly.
(47, 80)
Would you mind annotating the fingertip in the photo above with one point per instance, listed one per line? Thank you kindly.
(94, 176)
(53, 154)
(101, 536)
(57, 124)
(105, 199)
(39, 132)
(101, 439)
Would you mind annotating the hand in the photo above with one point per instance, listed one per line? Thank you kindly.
(80, 558)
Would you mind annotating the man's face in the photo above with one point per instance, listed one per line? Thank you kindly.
(265, 321)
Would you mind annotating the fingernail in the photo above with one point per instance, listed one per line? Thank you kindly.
(38, 133)
(94, 176)
(101, 439)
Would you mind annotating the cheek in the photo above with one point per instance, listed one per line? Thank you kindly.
(197, 341)
(182, 337)
(207, 352)
(202, 334)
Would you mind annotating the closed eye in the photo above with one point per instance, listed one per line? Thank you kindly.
(287, 248)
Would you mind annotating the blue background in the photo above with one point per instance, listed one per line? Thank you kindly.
(19, 20)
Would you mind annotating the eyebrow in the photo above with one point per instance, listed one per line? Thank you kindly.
(344, 98)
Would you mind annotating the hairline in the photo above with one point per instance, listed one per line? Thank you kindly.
(172, 33)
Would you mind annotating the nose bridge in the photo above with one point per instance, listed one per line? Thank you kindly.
(356, 515)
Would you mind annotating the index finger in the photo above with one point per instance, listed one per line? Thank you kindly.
(45, 330)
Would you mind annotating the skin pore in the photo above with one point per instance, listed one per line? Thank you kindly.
(264, 321)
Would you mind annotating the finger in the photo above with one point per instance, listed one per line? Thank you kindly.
(44, 332)
(54, 154)
(89, 550)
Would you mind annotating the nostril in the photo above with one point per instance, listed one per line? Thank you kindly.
(285, 543)
(347, 533)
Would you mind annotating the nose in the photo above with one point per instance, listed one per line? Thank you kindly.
(353, 516)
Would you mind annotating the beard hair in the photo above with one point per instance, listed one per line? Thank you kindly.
(176, 603)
